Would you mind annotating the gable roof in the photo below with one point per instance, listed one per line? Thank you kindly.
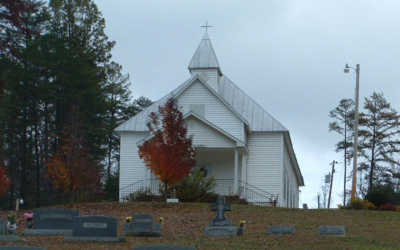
(242, 146)
(140, 121)
(193, 114)
(252, 114)
(204, 57)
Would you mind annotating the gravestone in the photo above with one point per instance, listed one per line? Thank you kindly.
(305, 206)
(220, 225)
(280, 230)
(142, 226)
(331, 231)
(94, 228)
(3, 227)
(163, 247)
(21, 248)
(221, 207)
(142, 223)
(52, 221)
(3, 233)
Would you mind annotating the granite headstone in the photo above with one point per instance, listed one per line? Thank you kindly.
(54, 218)
(221, 207)
(3, 233)
(220, 225)
(142, 223)
(94, 228)
(52, 221)
(142, 226)
(3, 227)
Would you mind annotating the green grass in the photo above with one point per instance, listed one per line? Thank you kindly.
(184, 225)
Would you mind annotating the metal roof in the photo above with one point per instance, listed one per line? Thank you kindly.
(204, 57)
(257, 117)
(139, 121)
(253, 115)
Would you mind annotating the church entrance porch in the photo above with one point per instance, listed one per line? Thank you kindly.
(225, 165)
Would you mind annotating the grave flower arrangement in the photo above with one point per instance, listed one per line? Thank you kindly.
(242, 223)
(129, 219)
(12, 220)
(28, 216)
(161, 220)
(29, 219)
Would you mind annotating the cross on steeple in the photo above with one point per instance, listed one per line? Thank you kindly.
(206, 26)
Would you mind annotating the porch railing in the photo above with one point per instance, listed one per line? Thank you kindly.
(246, 191)
(126, 192)
(224, 186)
(256, 195)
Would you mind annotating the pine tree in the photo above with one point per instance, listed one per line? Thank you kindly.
(344, 114)
(118, 99)
(378, 142)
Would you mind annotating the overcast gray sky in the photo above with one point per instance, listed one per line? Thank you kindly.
(287, 55)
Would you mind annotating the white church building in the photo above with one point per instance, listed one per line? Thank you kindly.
(241, 145)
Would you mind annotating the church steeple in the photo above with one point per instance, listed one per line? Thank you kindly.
(204, 57)
(205, 63)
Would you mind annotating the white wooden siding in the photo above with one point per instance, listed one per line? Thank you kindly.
(206, 135)
(215, 111)
(293, 185)
(213, 77)
(132, 167)
(264, 164)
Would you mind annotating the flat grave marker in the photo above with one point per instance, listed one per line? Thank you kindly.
(331, 230)
(163, 247)
(280, 230)
(21, 248)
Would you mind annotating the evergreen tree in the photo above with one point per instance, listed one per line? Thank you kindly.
(118, 98)
(23, 21)
(344, 114)
(17, 19)
(59, 58)
(378, 142)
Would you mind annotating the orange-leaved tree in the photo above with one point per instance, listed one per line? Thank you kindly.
(5, 181)
(169, 153)
(72, 169)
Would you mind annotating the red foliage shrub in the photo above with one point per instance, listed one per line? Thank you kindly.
(387, 207)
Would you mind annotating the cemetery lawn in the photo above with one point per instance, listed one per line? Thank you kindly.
(184, 225)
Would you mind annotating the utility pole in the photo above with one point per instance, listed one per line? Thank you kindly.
(355, 151)
(330, 188)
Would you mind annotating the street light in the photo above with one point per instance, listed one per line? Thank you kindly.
(346, 70)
